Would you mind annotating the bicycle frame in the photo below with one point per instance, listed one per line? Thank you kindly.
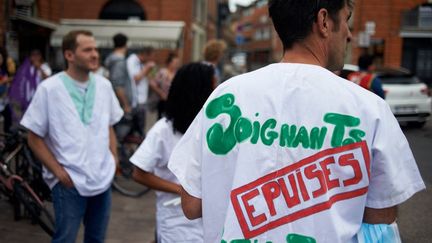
(10, 179)
(21, 193)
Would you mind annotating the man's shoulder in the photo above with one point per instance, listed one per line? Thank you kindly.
(102, 81)
(52, 82)
(132, 57)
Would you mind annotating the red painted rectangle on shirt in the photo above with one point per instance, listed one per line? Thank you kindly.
(349, 189)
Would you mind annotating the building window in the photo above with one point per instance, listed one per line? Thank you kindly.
(248, 12)
(199, 39)
(200, 11)
(424, 63)
(262, 34)
(25, 7)
(122, 10)
(261, 3)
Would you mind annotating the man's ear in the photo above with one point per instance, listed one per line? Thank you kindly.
(68, 54)
(323, 22)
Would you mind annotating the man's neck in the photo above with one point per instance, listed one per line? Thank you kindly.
(306, 52)
(121, 51)
(77, 74)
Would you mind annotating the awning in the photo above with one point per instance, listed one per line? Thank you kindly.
(158, 34)
(416, 33)
(36, 21)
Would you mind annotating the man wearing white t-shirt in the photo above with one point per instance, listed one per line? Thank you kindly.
(70, 123)
(293, 153)
(39, 65)
(139, 67)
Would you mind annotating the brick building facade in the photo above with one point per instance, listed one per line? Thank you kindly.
(387, 16)
(385, 21)
(199, 17)
(398, 38)
(256, 36)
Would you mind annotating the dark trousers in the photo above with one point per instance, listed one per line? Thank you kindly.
(139, 120)
(7, 118)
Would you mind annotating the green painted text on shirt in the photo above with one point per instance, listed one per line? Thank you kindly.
(242, 129)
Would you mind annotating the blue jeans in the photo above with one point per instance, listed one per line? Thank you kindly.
(71, 208)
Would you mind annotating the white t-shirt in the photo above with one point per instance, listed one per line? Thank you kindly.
(83, 150)
(140, 89)
(152, 156)
(285, 152)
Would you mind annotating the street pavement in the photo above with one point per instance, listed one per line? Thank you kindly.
(415, 215)
(132, 220)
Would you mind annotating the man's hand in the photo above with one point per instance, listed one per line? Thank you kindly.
(148, 67)
(37, 64)
(127, 109)
(192, 206)
(42, 152)
(64, 178)
(380, 216)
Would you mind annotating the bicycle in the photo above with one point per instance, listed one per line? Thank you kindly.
(128, 142)
(20, 181)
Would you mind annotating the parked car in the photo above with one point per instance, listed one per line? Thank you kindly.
(409, 98)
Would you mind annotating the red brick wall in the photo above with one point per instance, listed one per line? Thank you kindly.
(170, 10)
(173, 10)
(49, 9)
(259, 45)
(211, 27)
(387, 17)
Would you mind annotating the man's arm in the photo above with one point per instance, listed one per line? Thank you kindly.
(42, 152)
(113, 144)
(155, 182)
(144, 72)
(192, 206)
(377, 87)
(121, 95)
(45, 70)
(155, 87)
(380, 216)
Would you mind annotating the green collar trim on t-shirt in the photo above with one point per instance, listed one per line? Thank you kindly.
(83, 103)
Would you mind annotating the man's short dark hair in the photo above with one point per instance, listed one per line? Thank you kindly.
(70, 39)
(293, 19)
(147, 50)
(365, 61)
(120, 40)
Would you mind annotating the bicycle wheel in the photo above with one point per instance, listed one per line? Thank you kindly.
(123, 181)
(38, 212)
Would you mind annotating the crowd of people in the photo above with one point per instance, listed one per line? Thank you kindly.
(288, 153)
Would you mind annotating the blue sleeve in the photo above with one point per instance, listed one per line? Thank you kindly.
(377, 88)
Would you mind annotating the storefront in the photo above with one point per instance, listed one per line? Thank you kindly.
(161, 35)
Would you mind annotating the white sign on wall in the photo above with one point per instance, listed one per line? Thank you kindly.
(363, 39)
(370, 27)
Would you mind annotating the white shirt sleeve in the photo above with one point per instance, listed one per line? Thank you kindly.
(186, 160)
(394, 173)
(36, 117)
(116, 111)
(46, 69)
(150, 152)
(133, 66)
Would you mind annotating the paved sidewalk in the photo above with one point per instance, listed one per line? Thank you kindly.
(132, 220)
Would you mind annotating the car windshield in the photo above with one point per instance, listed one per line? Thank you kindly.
(399, 79)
